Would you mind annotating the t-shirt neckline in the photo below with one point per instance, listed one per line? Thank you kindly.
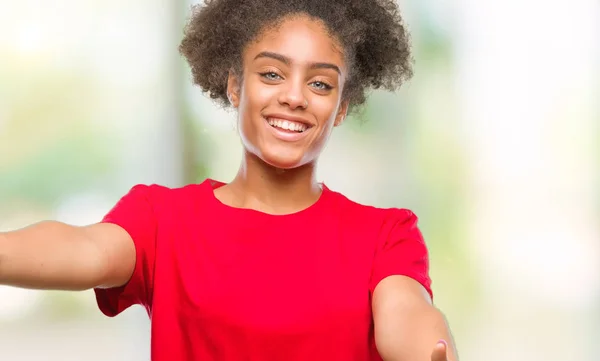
(210, 185)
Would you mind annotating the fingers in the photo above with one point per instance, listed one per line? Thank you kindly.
(440, 351)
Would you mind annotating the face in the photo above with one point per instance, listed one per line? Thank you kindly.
(291, 94)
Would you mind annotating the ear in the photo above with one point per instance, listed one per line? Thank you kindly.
(233, 88)
(341, 114)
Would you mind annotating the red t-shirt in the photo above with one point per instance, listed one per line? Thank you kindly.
(229, 284)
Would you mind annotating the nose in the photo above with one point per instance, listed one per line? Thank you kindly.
(292, 95)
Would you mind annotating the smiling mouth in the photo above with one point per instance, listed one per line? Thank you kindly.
(287, 125)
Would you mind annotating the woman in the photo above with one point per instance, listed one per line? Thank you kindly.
(273, 265)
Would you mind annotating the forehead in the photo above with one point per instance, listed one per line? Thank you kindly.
(301, 39)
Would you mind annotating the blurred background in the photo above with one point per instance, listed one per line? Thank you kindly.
(495, 144)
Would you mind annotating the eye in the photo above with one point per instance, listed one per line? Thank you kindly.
(270, 75)
(321, 85)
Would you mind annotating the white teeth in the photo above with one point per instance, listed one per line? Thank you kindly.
(287, 125)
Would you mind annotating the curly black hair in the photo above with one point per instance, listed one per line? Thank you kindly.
(375, 41)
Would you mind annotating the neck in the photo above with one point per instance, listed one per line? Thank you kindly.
(263, 187)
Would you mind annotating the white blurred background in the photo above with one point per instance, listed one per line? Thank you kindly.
(494, 144)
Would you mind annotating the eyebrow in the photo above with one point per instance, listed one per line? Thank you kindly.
(284, 59)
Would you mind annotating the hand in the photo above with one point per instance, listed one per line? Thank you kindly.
(440, 351)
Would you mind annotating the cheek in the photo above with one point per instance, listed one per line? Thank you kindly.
(254, 98)
(325, 108)
(256, 95)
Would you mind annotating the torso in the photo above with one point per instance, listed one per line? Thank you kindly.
(230, 284)
(250, 286)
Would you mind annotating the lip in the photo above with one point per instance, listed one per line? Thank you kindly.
(290, 118)
(286, 136)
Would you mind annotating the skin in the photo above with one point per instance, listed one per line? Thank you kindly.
(296, 70)
(293, 70)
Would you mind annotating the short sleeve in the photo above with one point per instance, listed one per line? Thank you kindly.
(401, 250)
(134, 213)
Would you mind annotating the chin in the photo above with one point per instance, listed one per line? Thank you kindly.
(282, 161)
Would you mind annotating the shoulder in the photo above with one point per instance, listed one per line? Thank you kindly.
(156, 194)
(389, 232)
(158, 190)
(356, 211)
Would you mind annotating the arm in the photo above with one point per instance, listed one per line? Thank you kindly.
(407, 325)
(54, 255)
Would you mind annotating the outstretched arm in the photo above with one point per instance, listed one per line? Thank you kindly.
(54, 255)
(407, 325)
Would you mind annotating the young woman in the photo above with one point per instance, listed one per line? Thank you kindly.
(272, 265)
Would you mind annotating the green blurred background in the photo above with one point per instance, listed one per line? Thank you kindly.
(494, 144)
